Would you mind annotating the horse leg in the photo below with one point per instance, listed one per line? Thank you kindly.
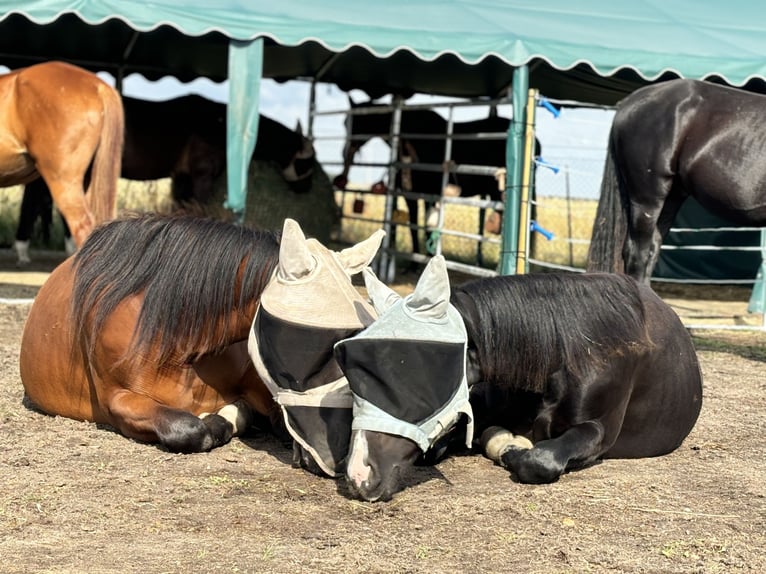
(70, 201)
(31, 206)
(583, 442)
(412, 209)
(578, 447)
(642, 244)
(142, 418)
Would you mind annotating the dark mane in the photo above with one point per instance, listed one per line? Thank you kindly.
(194, 275)
(526, 327)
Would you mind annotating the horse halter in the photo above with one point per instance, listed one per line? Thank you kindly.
(308, 305)
(407, 370)
(300, 171)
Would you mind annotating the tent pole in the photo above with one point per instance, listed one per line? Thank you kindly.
(757, 303)
(513, 159)
(245, 71)
(522, 259)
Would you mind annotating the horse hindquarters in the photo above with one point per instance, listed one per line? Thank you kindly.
(54, 379)
(667, 388)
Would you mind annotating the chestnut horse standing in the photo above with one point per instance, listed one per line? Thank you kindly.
(146, 328)
(56, 121)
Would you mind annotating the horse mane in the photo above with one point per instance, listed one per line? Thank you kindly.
(526, 327)
(194, 275)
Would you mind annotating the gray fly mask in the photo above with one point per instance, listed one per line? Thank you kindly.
(309, 304)
(407, 370)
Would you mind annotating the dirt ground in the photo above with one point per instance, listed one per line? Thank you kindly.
(77, 498)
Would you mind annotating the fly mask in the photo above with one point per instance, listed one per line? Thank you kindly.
(407, 370)
(308, 305)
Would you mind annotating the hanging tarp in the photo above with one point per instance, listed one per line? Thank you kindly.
(592, 51)
(718, 262)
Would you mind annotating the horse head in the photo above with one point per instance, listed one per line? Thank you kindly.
(299, 172)
(309, 304)
(407, 374)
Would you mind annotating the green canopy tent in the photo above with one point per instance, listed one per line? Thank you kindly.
(589, 51)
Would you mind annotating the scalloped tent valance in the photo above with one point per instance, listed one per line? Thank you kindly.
(594, 51)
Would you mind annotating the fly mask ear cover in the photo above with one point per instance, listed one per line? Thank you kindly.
(309, 304)
(407, 370)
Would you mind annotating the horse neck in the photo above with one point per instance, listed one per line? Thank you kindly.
(240, 322)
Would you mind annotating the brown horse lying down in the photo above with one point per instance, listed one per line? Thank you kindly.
(146, 328)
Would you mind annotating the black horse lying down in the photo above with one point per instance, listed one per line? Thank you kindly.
(584, 366)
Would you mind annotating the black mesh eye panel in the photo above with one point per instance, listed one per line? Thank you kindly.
(410, 380)
(297, 357)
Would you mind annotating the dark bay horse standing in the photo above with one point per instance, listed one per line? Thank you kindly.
(146, 328)
(670, 141)
(426, 144)
(580, 367)
(56, 122)
(185, 139)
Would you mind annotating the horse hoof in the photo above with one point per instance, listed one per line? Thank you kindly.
(496, 441)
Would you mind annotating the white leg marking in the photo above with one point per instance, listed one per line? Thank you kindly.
(22, 252)
(238, 415)
(496, 440)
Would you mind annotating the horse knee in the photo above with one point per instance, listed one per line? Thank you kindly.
(533, 466)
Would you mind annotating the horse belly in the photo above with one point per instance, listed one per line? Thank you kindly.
(53, 379)
(16, 167)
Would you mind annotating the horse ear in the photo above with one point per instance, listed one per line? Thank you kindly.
(298, 128)
(295, 259)
(356, 258)
(430, 298)
(382, 296)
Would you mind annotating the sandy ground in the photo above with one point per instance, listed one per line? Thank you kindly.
(78, 498)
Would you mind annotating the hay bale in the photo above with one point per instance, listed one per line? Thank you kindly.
(270, 200)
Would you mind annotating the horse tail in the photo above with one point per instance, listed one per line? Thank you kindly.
(611, 223)
(107, 162)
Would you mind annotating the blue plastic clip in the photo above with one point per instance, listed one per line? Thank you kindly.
(542, 231)
(542, 163)
(549, 106)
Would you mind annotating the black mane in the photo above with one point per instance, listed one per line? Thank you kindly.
(193, 274)
(526, 327)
